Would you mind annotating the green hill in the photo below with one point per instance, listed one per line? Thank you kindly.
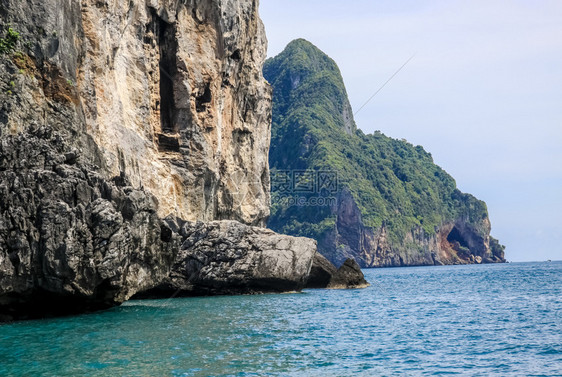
(380, 200)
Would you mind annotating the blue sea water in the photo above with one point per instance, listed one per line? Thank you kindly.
(478, 320)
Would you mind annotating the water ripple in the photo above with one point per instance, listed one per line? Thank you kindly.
(492, 320)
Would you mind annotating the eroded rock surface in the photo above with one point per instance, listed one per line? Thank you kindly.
(461, 241)
(321, 272)
(114, 115)
(227, 257)
(71, 241)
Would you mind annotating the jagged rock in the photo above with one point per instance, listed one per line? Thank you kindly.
(227, 257)
(324, 274)
(321, 272)
(349, 275)
(71, 241)
(114, 115)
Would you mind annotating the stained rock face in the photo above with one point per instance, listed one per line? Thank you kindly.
(114, 115)
(227, 257)
(170, 92)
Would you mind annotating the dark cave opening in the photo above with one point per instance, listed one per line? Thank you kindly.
(204, 98)
(236, 55)
(168, 143)
(168, 49)
(161, 35)
(456, 236)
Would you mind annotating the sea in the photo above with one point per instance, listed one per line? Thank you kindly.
(473, 320)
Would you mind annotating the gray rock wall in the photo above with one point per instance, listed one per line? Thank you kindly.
(70, 240)
(114, 115)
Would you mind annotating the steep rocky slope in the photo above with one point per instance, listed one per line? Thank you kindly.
(170, 93)
(115, 118)
(379, 200)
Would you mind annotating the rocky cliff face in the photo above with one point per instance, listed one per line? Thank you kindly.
(70, 240)
(458, 241)
(379, 200)
(114, 115)
(169, 92)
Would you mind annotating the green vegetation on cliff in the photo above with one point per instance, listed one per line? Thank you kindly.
(391, 181)
(9, 41)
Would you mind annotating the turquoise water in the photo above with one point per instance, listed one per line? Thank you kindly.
(461, 320)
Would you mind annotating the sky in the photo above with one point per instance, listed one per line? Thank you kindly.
(482, 94)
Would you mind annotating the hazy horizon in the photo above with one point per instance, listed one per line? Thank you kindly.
(483, 95)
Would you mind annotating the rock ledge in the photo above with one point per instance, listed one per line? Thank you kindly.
(227, 257)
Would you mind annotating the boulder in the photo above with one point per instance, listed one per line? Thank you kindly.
(228, 257)
(321, 272)
(324, 274)
(348, 276)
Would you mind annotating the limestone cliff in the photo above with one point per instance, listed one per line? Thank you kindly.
(460, 240)
(170, 92)
(379, 200)
(114, 115)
